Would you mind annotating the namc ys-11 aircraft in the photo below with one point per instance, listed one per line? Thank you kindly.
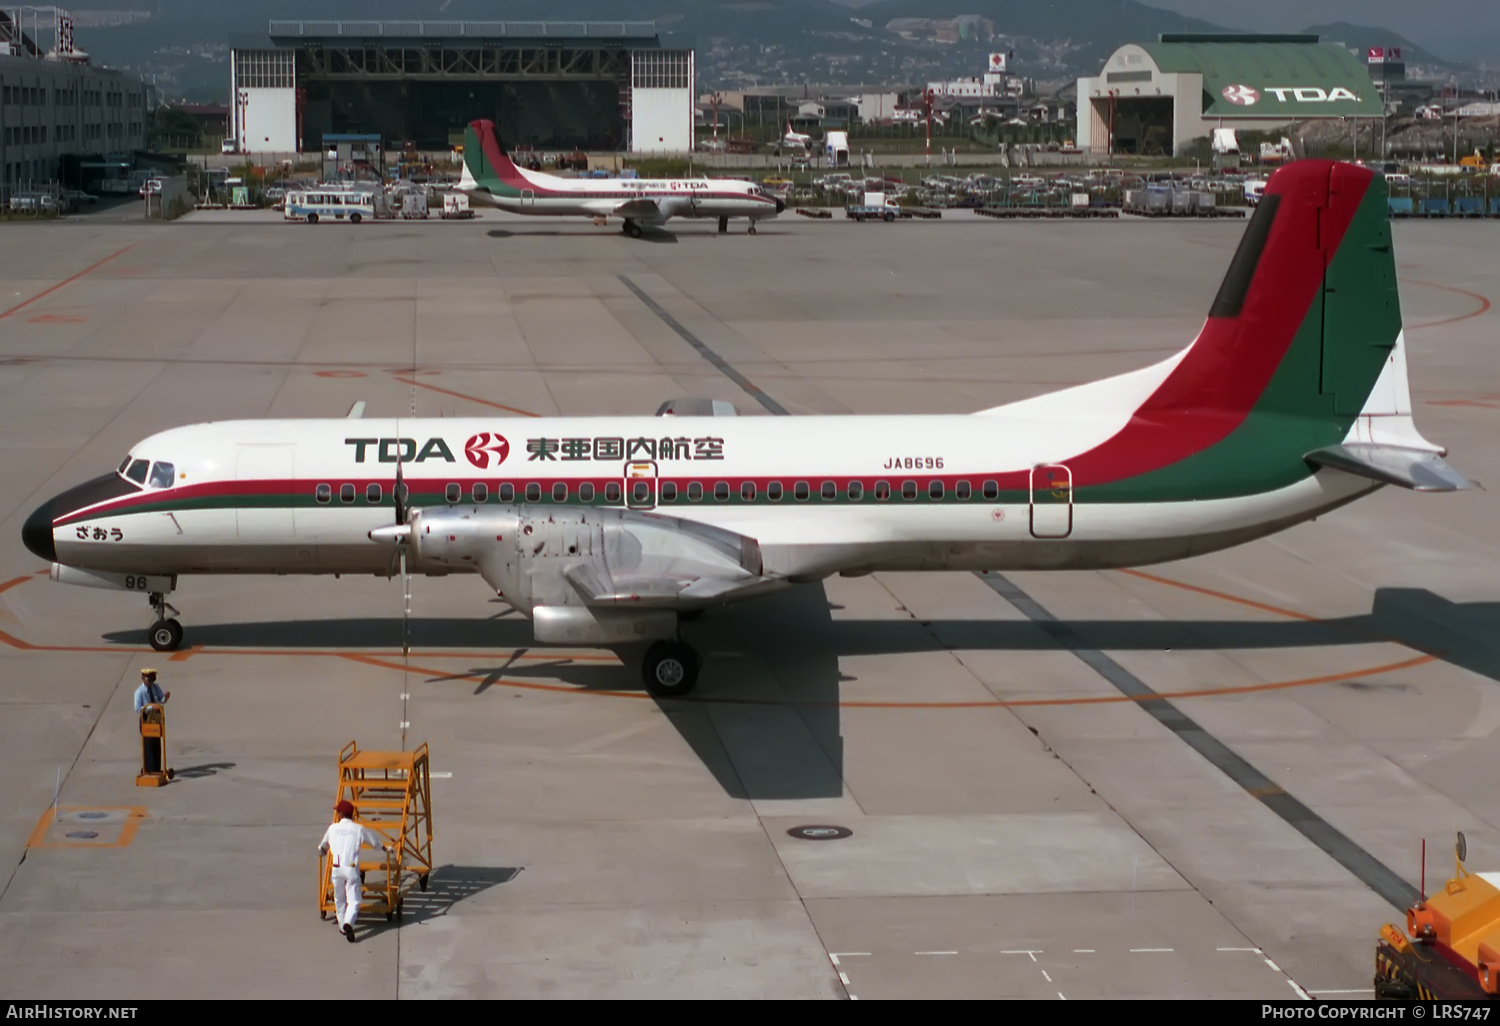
(608, 531)
(490, 179)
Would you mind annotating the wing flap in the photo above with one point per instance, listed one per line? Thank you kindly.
(1417, 469)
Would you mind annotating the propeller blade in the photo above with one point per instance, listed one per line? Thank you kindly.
(399, 494)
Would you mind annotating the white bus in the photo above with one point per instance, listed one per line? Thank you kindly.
(332, 204)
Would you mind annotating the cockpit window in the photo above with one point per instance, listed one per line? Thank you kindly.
(137, 471)
(162, 475)
(123, 464)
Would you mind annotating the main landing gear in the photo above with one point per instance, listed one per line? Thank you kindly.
(633, 230)
(670, 669)
(166, 632)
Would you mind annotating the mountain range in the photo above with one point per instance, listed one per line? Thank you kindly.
(739, 42)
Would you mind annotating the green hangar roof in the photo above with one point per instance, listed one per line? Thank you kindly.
(1270, 76)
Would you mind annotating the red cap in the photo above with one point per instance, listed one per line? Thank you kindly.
(345, 808)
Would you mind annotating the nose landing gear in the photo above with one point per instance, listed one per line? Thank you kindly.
(723, 225)
(752, 229)
(166, 632)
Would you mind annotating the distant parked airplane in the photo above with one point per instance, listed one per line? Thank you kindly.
(490, 179)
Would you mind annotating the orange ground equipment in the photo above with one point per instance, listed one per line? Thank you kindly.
(154, 772)
(1451, 947)
(392, 795)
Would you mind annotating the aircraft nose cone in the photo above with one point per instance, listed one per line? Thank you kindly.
(780, 206)
(36, 533)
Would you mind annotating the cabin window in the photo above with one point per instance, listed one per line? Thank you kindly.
(695, 491)
(612, 492)
(829, 491)
(773, 491)
(137, 471)
(882, 490)
(372, 493)
(800, 491)
(908, 490)
(856, 490)
(507, 492)
(640, 492)
(935, 489)
(668, 492)
(453, 492)
(346, 493)
(533, 492)
(560, 492)
(162, 475)
(721, 491)
(992, 490)
(586, 492)
(481, 492)
(323, 493)
(962, 490)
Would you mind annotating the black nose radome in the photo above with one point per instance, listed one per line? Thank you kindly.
(36, 533)
(780, 206)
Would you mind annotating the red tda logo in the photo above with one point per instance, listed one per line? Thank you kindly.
(486, 450)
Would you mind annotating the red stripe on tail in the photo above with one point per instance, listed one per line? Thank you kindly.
(1219, 381)
(500, 164)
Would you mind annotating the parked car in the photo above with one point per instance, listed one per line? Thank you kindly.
(150, 186)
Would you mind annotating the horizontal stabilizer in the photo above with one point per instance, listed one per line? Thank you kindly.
(1417, 469)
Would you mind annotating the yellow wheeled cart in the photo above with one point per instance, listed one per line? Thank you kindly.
(392, 795)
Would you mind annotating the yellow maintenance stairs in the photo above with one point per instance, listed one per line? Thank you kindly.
(392, 795)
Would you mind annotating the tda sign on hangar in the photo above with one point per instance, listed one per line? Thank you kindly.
(1156, 98)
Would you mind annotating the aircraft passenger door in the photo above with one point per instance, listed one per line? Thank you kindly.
(528, 198)
(1051, 501)
(263, 512)
(640, 485)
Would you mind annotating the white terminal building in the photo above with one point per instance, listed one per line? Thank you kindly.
(548, 85)
(55, 105)
(1156, 98)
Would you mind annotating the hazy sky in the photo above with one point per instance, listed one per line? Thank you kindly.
(1465, 29)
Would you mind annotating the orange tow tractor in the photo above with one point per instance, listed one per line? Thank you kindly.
(1451, 946)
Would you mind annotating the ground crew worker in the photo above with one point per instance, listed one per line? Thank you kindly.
(342, 841)
(150, 692)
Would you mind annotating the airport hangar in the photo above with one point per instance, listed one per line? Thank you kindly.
(547, 84)
(1156, 98)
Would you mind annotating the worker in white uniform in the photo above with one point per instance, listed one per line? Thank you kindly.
(342, 842)
(150, 692)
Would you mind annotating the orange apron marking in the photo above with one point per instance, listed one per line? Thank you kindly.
(66, 281)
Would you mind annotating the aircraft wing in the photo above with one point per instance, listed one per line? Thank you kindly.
(1417, 469)
(654, 211)
(642, 209)
(675, 591)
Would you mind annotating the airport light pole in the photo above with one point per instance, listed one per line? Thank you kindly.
(927, 117)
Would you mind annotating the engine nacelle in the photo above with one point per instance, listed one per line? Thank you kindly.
(601, 575)
(579, 625)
